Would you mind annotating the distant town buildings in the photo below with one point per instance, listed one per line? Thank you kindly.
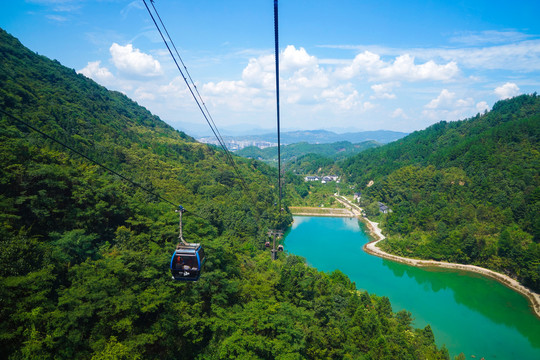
(324, 179)
(234, 145)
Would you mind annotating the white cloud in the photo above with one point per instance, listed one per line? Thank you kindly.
(445, 99)
(482, 106)
(384, 90)
(259, 72)
(94, 71)
(133, 61)
(507, 90)
(132, 5)
(522, 56)
(301, 81)
(448, 106)
(58, 18)
(344, 97)
(293, 59)
(405, 68)
(402, 68)
(314, 92)
(471, 38)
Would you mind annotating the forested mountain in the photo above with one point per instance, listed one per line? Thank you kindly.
(322, 137)
(464, 191)
(292, 152)
(84, 254)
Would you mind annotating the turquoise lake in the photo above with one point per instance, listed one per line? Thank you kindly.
(467, 312)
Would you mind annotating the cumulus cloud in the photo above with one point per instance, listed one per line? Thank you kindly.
(132, 61)
(94, 71)
(405, 68)
(482, 106)
(384, 90)
(445, 99)
(448, 106)
(305, 81)
(402, 68)
(507, 90)
(294, 59)
(342, 96)
(259, 72)
(302, 80)
(319, 89)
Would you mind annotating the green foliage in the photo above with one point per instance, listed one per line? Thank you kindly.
(305, 158)
(84, 260)
(466, 191)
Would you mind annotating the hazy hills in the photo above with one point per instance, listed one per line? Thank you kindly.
(334, 151)
(307, 136)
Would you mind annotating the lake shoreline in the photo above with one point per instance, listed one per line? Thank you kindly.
(376, 234)
(318, 211)
(373, 249)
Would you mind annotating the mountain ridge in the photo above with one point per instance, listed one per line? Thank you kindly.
(465, 191)
(334, 151)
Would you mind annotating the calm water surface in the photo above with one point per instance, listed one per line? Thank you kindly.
(468, 313)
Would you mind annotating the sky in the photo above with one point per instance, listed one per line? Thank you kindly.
(345, 65)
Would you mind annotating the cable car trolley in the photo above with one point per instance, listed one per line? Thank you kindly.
(188, 258)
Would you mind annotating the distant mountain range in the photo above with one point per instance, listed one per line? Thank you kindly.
(307, 136)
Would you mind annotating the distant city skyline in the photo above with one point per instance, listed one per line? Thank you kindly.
(345, 65)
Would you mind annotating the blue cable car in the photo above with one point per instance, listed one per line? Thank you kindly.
(187, 261)
(188, 258)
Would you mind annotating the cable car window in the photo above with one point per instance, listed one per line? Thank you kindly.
(183, 260)
(201, 255)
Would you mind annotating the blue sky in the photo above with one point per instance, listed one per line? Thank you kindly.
(345, 65)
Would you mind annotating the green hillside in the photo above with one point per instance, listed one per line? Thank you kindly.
(464, 191)
(84, 260)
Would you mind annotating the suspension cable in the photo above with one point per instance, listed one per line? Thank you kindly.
(206, 114)
(187, 72)
(276, 42)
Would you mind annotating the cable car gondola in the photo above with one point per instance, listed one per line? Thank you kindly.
(187, 261)
(188, 258)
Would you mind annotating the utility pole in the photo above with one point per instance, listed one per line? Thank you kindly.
(274, 234)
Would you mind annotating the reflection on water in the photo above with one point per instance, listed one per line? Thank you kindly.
(468, 313)
(481, 294)
(299, 220)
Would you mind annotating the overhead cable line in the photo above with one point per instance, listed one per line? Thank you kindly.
(276, 42)
(187, 72)
(206, 114)
(92, 160)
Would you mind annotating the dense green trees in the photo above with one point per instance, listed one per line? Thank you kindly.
(304, 158)
(84, 260)
(466, 191)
